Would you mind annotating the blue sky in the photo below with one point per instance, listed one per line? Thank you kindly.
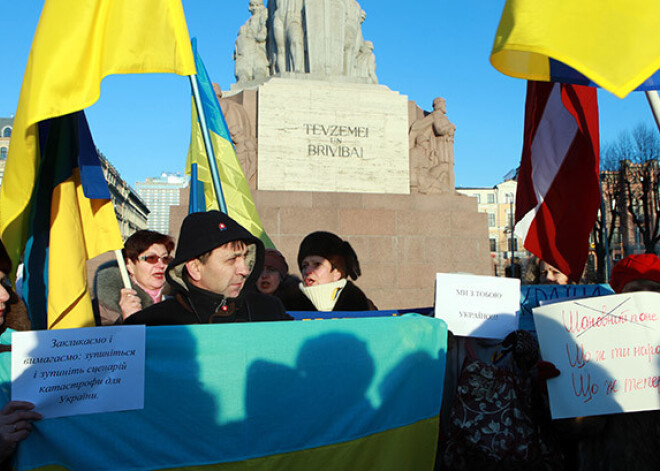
(423, 48)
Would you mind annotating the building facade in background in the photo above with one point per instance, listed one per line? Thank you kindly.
(499, 204)
(6, 125)
(631, 200)
(159, 194)
(131, 210)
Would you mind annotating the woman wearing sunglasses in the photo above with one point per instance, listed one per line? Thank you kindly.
(147, 254)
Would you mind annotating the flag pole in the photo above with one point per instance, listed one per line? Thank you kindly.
(654, 103)
(122, 269)
(193, 204)
(210, 155)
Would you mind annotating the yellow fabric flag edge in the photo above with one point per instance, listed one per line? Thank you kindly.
(540, 56)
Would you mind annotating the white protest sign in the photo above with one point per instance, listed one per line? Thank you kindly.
(79, 371)
(477, 306)
(608, 351)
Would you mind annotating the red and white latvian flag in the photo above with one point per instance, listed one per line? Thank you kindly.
(558, 192)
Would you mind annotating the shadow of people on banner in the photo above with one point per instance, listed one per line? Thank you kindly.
(321, 401)
(136, 439)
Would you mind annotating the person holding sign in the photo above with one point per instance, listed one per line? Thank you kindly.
(622, 440)
(639, 272)
(215, 258)
(326, 262)
(147, 254)
(16, 417)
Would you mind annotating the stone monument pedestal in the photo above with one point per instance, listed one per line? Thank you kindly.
(332, 136)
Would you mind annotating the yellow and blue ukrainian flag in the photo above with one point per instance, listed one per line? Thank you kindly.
(615, 45)
(345, 394)
(235, 187)
(46, 197)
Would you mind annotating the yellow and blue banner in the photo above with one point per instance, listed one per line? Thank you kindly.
(71, 220)
(235, 187)
(613, 44)
(347, 394)
(76, 45)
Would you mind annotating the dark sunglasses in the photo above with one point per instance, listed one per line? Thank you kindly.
(153, 259)
(5, 282)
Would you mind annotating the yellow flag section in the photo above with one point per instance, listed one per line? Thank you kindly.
(81, 229)
(235, 187)
(77, 43)
(615, 44)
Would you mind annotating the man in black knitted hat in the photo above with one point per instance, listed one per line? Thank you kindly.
(215, 258)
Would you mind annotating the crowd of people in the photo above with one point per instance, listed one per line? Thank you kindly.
(220, 273)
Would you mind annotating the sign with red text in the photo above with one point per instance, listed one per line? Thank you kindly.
(608, 351)
(477, 306)
(79, 371)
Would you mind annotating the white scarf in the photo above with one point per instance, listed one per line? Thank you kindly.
(324, 296)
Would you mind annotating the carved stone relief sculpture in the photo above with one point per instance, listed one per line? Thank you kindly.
(240, 132)
(251, 61)
(432, 151)
(304, 36)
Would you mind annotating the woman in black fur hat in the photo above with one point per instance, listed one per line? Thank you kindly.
(326, 262)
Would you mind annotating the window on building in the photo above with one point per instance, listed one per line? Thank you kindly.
(478, 196)
(491, 219)
(493, 244)
(491, 198)
(513, 244)
(6, 132)
(3, 153)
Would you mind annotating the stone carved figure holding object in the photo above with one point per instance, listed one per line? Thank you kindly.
(432, 151)
(251, 62)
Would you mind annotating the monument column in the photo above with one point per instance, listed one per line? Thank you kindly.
(325, 22)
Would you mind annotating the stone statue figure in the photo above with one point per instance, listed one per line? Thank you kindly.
(275, 39)
(366, 62)
(353, 39)
(444, 130)
(432, 151)
(250, 50)
(240, 132)
(286, 36)
(295, 36)
(321, 37)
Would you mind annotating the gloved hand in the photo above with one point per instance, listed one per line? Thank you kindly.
(524, 346)
(546, 370)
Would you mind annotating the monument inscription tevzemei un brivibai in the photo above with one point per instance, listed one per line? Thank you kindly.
(325, 147)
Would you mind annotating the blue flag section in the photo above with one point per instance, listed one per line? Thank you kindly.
(321, 395)
(561, 73)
